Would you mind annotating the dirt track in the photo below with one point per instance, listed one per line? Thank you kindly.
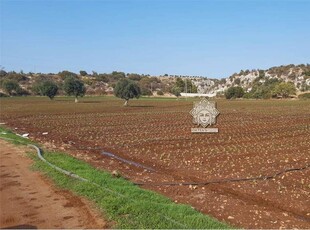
(30, 201)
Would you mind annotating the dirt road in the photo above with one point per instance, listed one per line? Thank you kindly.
(27, 200)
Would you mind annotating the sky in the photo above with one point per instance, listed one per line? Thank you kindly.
(195, 37)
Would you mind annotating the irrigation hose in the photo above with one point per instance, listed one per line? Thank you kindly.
(68, 173)
(39, 152)
(226, 180)
(231, 180)
(75, 176)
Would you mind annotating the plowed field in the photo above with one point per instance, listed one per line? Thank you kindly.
(255, 173)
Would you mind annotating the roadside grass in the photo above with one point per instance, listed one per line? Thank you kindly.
(12, 137)
(123, 203)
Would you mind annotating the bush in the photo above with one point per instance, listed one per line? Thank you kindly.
(176, 91)
(304, 96)
(67, 73)
(237, 81)
(2, 73)
(134, 77)
(83, 73)
(102, 77)
(146, 92)
(284, 89)
(263, 90)
(160, 93)
(11, 86)
(15, 76)
(22, 92)
(234, 92)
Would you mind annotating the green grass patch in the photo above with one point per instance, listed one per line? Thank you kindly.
(8, 135)
(122, 202)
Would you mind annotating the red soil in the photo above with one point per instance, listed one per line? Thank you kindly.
(30, 201)
(256, 138)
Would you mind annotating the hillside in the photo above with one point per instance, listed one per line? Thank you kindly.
(297, 74)
(99, 84)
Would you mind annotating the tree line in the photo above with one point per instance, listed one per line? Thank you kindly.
(263, 89)
(17, 84)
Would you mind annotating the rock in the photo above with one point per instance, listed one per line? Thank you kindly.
(45, 133)
(25, 135)
(231, 217)
(115, 173)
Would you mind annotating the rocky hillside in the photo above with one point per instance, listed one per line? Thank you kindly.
(297, 74)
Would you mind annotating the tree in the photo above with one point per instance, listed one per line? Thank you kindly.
(127, 89)
(261, 74)
(160, 93)
(2, 73)
(180, 84)
(234, 92)
(67, 73)
(83, 73)
(116, 76)
(284, 89)
(134, 76)
(11, 86)
(46, 88)
(73, 86)
(263, 90)
(189, 86)
(237, 81)
(148, 85)
(176, 91)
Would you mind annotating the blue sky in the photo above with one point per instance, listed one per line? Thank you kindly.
(205, 38)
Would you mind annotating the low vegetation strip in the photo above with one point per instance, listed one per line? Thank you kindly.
(125, 204)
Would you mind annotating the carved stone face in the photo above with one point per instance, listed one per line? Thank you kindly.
(204, 113)
(204, 117)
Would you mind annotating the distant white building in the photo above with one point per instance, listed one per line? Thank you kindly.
(198, 94)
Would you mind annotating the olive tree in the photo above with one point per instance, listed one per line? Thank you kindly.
(284, 89)
(234, 92)
(176, 91)
(127, 89)
(75, 87)
(46, 88)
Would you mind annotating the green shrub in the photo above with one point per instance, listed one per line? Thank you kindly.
(234, 92)
(284, 89)
(304, 96)
(11, 86)
(45, 88)
(176, 91)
